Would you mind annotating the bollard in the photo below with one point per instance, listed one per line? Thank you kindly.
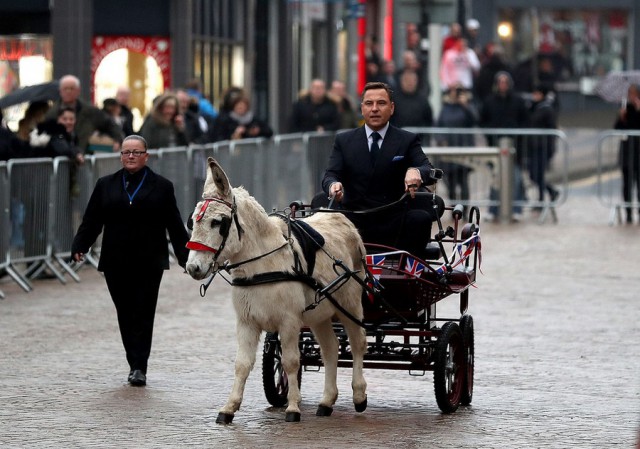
(507, 154)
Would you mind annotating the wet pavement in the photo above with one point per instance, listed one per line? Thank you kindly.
(557, 325)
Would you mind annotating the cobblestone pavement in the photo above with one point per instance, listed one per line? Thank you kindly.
(557, 359)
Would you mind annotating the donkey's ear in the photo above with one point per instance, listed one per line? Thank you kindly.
(218, 178)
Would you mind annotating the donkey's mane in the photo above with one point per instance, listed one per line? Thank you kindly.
(253, 212)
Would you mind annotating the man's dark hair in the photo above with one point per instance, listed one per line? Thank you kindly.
(378, 85)
(65, 109)
(109, 103)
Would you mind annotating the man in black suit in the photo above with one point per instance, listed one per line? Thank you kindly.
(373, 166)
(135, 207)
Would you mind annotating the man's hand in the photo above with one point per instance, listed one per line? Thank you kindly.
(78, 257)
(412, 181)
(335, 191)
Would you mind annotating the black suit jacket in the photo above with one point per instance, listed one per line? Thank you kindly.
(366, 186)
(134, 234)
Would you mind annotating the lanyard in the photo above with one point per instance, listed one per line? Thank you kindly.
(132, 196)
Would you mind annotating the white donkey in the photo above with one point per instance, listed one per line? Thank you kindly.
(231, 226)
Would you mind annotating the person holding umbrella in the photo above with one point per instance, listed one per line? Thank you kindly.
(629, 118)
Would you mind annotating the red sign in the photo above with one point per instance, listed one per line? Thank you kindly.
(14, 49)
(159, 48)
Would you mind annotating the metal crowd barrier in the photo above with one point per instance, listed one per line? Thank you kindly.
(618, 158)
(64, 191)
(30, 250)
(198, 157)
(318, 146)
(244, 161)
(5, 220)
(284, 174)
(540, 168)
(174, 164)
(42, 200)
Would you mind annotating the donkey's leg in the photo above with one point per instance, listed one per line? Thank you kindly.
(328, 342)
(289, 337)
(248, 337)
(358, 342)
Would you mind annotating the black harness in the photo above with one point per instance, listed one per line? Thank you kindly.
(310, 242)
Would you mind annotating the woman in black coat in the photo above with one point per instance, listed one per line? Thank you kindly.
(134, 208)
(240, 123)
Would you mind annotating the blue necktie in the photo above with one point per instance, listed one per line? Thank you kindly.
(375, 149)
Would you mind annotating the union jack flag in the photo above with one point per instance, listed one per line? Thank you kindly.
(375, 262)
(413, 267)
(465, 249)
(442, 269)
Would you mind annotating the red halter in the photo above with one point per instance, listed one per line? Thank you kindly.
(197, 246)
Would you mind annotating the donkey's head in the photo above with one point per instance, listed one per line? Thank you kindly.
(214, 223)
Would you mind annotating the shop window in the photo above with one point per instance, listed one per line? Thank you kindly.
(572, 44)
(128, 68)
(24, 61)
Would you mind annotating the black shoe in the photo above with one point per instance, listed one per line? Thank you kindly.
(137, 378)
(554, 194)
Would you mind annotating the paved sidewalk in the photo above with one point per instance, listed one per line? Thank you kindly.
(557, 359)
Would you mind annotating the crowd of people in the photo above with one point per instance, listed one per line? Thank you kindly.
(478, 88)
(177, 118)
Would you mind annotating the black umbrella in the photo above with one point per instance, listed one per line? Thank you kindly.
(37, 92)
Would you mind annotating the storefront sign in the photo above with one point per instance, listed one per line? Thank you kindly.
(13, 49)
(158, 48)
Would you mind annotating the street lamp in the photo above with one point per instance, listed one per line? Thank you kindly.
(505, 30)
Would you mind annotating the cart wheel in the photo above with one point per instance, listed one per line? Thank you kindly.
(448, 371)
(466, 325)
(274, 378)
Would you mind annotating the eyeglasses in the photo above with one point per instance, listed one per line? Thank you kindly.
(127, 153)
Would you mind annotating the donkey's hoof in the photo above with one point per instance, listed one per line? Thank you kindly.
(361, 407)
(224, 418)
(292, 417)
(324, 410)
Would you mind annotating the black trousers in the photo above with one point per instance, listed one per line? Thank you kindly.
(630, 161)
(135, 295)
(406, 226)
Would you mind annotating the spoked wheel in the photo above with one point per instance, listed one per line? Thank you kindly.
(274, 378)
(466, 326)
(448, 371)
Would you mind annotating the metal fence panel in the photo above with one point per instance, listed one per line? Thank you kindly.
(244, 161)
(198, 154)
(540, 166)
(64, 190)
(30, 183)
(174, 164)
(247, 165)
(5, 222)
(286, 171)
(319, 146)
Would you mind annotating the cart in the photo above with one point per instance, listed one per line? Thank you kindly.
(402, 326)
